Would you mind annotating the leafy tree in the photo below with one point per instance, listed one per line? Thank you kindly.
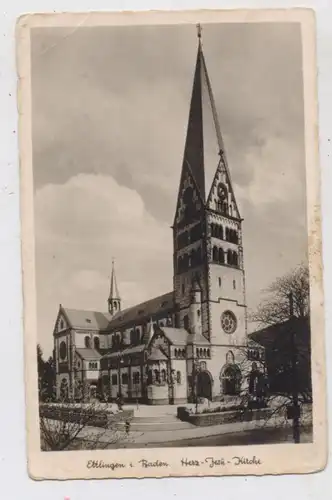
(46, 376)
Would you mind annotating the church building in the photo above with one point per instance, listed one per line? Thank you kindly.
(190, 341)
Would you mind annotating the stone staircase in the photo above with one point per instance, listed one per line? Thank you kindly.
(156, 423)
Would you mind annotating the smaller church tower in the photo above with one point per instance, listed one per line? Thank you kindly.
(114, 300)
(195, 309)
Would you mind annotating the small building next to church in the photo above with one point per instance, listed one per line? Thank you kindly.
(189, 341)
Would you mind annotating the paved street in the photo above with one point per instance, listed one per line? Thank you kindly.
(158, 427)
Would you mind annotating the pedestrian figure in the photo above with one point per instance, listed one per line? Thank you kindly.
(127, 427)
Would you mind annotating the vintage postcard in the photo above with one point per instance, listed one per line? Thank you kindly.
(171, 244)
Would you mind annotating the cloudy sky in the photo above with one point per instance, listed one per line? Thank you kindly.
(110, 109)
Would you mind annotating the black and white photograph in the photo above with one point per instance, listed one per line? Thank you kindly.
(171, 248)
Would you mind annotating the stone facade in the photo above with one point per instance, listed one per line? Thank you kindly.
(186, 343)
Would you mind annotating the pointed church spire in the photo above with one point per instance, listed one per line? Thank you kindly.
(199, 134)
(114, 300)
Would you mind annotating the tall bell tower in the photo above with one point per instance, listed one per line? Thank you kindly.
(207, 228)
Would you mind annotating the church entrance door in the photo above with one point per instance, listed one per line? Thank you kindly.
(231, 379)
(204, 385)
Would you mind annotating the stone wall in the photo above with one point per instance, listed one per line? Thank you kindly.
(84, 414)
(224, 417)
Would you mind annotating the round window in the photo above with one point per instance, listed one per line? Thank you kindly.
(63, 350)
(228, 322)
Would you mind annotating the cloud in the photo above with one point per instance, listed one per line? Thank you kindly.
(80, 226)
(274, 165)
(110, 110)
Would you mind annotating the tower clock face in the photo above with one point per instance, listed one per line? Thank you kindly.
(222, 191)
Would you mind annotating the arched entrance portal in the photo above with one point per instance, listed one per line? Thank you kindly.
(204, 385)
(231, 380)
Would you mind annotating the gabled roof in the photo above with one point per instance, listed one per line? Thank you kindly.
(197, 338)
(180, 336)
(157, 355)
(88, 353)
(95, 320)
(142, 312)
(89, 320)
(176, 336)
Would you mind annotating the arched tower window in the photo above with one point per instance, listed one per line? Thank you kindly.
(186, 322)
(229, 257)
(215, 254)
(96, 343)
(87, 342)
(221, 256)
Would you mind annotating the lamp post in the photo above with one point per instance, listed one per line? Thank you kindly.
(170, 380)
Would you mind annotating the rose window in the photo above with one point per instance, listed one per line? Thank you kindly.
(228, 322)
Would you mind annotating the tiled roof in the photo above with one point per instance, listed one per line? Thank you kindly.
(94, 320)
(197, 338)
(140, 312)
(123, 352)
(177, 336)
(88, 353)
(89, 320)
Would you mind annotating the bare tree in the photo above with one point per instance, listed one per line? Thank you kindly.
(275, 308)
(68, 425)
(284, 316)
